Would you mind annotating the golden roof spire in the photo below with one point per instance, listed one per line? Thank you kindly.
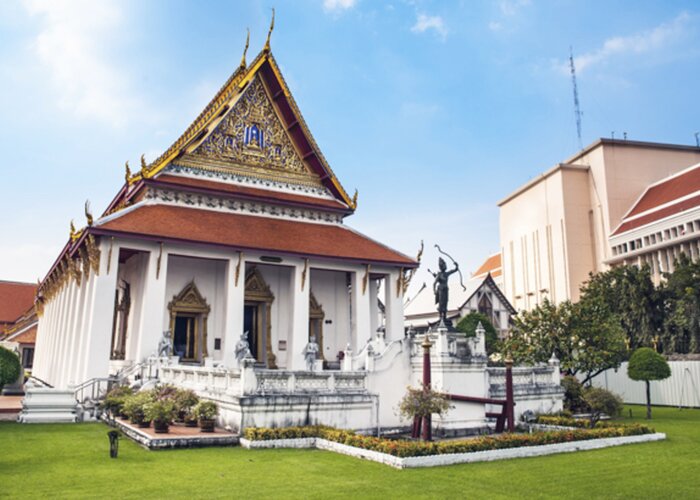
(143, 163)
(127, 173)
(73, 232)
(269, 33)
(354, 200)
(245, 51)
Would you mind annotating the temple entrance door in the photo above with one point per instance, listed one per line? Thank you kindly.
(257, 318)
(185, 342)
(251, 315)
(189, 314)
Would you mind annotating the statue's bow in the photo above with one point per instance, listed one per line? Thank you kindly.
(461, 279)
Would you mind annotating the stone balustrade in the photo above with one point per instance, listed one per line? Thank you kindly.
(200, 378)
(290, 382)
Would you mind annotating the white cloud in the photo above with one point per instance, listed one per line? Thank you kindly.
(338, 5)
(641, 43)
(425, 23)
(71, 46)
(511, 7)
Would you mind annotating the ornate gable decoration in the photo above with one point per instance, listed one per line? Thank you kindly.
(189, 300)
(256, 288)
(252, 135)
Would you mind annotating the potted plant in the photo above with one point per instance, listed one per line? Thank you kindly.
(161, 412)
(206, 412)
(113, 402)
(185, 401)
(134, 408)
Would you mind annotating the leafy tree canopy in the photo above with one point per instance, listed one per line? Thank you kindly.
(647, 364)
(469, 323)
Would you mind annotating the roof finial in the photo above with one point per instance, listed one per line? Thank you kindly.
(127, 173)
(245, 51)
(269, 33)
(88, 214)
(73, 232)
(143, 163)
(354, 199)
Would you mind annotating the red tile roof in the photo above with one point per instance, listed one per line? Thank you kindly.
(491, 265)
(15, 298)
(662, 213)
(252, 233)
(668, 190)
(26, 337)
(665, 198)
(249, 192)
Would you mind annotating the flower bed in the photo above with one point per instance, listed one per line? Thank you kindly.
(577, 422)
(402, 448)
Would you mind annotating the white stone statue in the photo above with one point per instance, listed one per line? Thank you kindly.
(165, 346)
(311, 353)
(242, 350)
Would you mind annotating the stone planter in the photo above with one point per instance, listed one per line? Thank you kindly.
(144, 424)
(191, 423)
(207, 425)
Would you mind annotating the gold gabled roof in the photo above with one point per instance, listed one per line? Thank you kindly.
(203, 125)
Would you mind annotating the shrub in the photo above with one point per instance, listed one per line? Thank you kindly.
(185, 400)
(166, 391)
(10, 367)
(646, 364)
(134, 406)
(422, 403)
(159, 411)
(206, 410)
(402, 448)
(573, 394)
(115, 399)
(601, 401)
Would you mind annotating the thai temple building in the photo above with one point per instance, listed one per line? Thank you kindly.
(226, 266)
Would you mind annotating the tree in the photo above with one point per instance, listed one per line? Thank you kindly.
(10, 367)
(469, 323)
(628, 292)
(681, 292)
(585, 337)
(646, 364)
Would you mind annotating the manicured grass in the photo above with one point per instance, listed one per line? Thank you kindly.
(73, 461)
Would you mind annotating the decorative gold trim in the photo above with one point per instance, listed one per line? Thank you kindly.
(316, 313)
(243, 64)
(127, 173)
(109, 254)
(93, 253)
(365, 279)
(399, 283)
(353, 203)
(257, 292)
(409, 273)
(191, 301)
(238, 268)
(269, 32)
(160, 255)
(303, 273)
(88, 214)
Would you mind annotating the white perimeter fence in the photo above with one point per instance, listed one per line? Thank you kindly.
(682, 388)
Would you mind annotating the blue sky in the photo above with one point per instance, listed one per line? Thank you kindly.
(434, 110)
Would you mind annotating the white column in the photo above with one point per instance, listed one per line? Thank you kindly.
(153, 306)
(361, 322)
(394, 307)
(64, 352)
(234, 308)
(299, 302)
(85, 315)
(99, 328)
(54, 351)
(374, 306)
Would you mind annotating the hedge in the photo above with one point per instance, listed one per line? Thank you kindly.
(402, 448)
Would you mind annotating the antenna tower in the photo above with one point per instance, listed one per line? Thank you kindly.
(577, 108)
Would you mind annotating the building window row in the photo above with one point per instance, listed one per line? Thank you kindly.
(658, 237)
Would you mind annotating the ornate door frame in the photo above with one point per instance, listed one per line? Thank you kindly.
(316, 313)
(257, 292)
(191, 301)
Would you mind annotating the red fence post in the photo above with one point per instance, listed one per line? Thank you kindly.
(427, 419)
(510, 402)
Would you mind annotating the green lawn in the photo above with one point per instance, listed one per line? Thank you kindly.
(73, 461)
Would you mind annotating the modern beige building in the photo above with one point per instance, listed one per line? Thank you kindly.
(556, 229)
